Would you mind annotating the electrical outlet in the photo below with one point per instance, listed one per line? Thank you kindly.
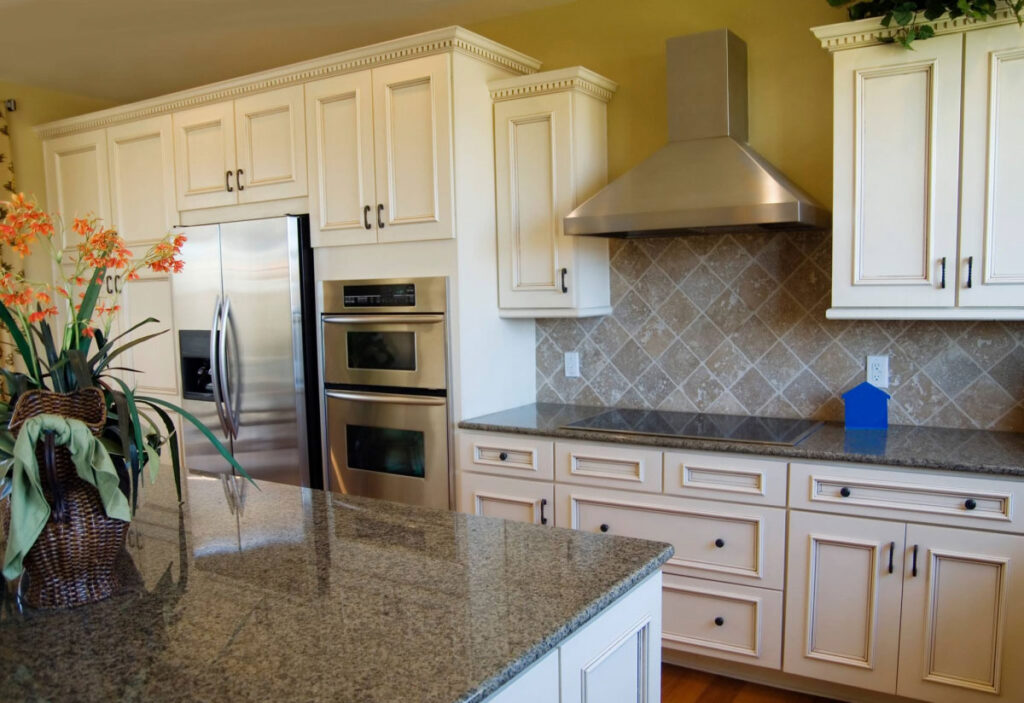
(878, 371)
(572, 364)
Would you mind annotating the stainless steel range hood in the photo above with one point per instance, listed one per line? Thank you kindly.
(707, 178)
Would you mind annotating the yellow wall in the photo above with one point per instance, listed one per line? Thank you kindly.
(36, 106)
(790, 75)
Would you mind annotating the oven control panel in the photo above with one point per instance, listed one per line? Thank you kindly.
(389, 295)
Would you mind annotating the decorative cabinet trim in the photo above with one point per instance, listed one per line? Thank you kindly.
(753, 602)
(595, 466)
(480, 497)
(577, 78)
(868, 32)
(434, 42)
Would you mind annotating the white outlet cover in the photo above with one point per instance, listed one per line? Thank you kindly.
(572, 364)
(878, 371)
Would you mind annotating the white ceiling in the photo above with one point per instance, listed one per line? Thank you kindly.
(126, 50)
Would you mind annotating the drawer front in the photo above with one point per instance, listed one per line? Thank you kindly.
(725, 621)
(912, 496)
(611, 466)
(726, 477)
(507, 498)
(506, 455)
(735, 543)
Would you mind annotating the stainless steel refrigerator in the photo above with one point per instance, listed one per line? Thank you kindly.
(243, 307)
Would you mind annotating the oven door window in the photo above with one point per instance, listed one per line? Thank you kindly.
(385, 450)
(385, 351)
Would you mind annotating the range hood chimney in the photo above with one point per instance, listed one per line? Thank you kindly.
(707, 178)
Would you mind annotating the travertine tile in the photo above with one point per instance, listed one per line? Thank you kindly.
(806, 393)
(983, 401)
(678, 362)
(702, 337)
(952, 370)
(753, 391)
(702, 286)
(631, 311)
(631, 361)
(702, 388)
(727, 363)
(654, 336)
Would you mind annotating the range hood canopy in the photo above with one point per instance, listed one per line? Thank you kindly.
(707, 178)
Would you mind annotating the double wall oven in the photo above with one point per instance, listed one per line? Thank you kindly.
(386, 389)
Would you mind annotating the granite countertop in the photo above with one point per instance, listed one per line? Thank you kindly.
(296, 594)
(976, 451)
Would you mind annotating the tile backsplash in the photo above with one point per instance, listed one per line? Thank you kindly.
(736, 324)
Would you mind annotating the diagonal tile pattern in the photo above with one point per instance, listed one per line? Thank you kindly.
(736, 323)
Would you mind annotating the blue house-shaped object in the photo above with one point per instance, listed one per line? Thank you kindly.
(867, 407)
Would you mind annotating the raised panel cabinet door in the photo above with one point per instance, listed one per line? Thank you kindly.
(534, 181)
(507, 498)
(412, 128)
(842, 599)
(339, 147)
(142, 200)
(962, 629)
(155, 361)
(77, 180)
(204, 156)
(991, 262)
(270, 134)
(896, 161)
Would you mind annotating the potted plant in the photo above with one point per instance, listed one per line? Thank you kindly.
(73, 479)
(907, 15)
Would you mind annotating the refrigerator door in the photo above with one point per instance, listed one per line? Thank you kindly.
(263, 379)
(197, 295)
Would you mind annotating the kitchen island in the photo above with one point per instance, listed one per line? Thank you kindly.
(288, 593)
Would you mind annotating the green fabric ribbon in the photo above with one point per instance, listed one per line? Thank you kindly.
(29, 507)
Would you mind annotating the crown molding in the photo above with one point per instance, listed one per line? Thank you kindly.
(438, 41)
(576, 78)
(870, 32)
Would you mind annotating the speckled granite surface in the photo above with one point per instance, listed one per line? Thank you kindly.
(296, 594)
(977, 451)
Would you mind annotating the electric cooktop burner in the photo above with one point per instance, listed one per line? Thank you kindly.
(731, 428)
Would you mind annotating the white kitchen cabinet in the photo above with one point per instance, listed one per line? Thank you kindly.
(550, 141)
(507, 498)
(506, 455)
(77, 179)
(248, 150)
(916, 233)
(142, 188)
(155, 360)
(611, 466)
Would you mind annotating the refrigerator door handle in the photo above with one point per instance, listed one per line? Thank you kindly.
(214, 373)
(222, 360)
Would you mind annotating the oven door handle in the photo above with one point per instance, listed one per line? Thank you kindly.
(378, 319)
(386, 398)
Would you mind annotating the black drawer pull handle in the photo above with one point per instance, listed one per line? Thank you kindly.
(719, 542)
(970, 504)
(970, 271)
(913, 569)
(565, 288)
(543, 504)
(844, 492)
(942, 284)
(503, 456)
(238, 179)
(366, 217)
(719, 621)
(604, 527)
(380, 216)
(227, 180)
(892, 553)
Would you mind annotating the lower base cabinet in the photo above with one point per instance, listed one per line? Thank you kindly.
(507, 498)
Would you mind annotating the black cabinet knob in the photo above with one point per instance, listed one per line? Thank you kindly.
(719, 542)
(844, 492)
(970, 504)
(719, 621)
(503, 456)
(604, 527)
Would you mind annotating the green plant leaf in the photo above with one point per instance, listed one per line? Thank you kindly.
(80, 367)
(125, 347)
(172, 440)
(107, 344)
(19, 339)
(92, 293)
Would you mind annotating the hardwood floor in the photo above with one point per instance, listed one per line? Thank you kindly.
(680, 685)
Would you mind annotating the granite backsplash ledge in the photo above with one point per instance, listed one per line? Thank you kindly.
(735, 323)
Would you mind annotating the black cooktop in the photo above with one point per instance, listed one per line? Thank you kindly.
(669, 423)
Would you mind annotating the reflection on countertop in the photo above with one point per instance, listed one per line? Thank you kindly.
(288, 593)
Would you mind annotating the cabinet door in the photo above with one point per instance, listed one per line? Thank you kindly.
(962, 629)
(339, 136)
(77, 181)
(896, 161)
(507, 498)
(141, 158)
(270, 132)
(533, 175)
(204, 153)
(412, 144)
(155, 360)
(842, 601)
(992, 211)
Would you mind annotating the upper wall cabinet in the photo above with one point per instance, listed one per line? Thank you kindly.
(141, 160)
(379, 152)
(550, 143)
(77, 180)
(249, 150)
(926, 223)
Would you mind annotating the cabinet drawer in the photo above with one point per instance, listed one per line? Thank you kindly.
(913, 496)
(612, 466)
(726, 477)
(507, 498)
(752, 538)
(725, 621)
(506, 455)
